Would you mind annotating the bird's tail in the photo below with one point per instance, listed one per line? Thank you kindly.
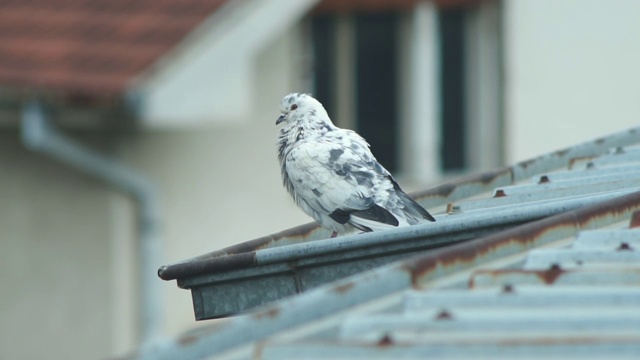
(411, 207)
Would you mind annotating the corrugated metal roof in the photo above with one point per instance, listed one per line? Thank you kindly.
(552, 270)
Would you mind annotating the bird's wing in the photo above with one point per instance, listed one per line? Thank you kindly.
(338, 176)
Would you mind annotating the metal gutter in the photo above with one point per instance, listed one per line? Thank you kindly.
(39, 135)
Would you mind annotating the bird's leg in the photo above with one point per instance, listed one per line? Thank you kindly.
(334, 234)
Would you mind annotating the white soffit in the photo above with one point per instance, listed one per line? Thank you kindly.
(207, 77)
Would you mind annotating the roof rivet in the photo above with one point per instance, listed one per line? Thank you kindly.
(444, 315)
(507, 289)
(386, 340)
(454, 209)
(544, 179)
(555, 267)
(499, 193)
(624, 247)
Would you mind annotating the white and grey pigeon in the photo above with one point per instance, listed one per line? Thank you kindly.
(332, 175)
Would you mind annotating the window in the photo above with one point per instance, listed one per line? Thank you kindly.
(373, 76)
(451, 28)
(376, 85)
(324, 57)
(422, 86)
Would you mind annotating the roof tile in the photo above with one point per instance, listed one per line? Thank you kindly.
(91, 47)
(95, 48)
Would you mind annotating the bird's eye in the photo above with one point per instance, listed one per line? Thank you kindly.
(294, 106)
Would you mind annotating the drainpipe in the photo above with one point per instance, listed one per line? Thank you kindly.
(39, 135)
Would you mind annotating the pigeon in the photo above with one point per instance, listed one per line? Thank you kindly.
(333, 176)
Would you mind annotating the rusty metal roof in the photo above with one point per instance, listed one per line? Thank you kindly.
(537, 258)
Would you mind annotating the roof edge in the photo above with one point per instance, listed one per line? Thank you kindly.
(220, 48)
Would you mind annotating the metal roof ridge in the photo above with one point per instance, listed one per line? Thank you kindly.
(445, 190)
(444, 224)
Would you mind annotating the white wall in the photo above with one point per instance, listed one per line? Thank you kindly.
(571, 72)
(55, 294)
(220, 184)
(209, 78)
(68, 262)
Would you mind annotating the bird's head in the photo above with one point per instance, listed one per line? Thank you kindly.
(295, 106)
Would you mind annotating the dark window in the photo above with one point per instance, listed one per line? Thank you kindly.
(376, 84)
(324, 60)
(452, 89)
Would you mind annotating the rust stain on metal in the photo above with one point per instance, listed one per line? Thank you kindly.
(187, 340)
(563, 152)
(577, 159)
(617, 207)
(385, 341)
(300, 233)
(550, 276)
(523, 237)
(635, 220)
(489, 177)
(468, 253)
(341, 289)
(525, 164)
(267, 314)
(446, 190)
(551, 340)
(200, 333)
(547, 276)
(449, 207)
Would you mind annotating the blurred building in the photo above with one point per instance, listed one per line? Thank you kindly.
(183, 97)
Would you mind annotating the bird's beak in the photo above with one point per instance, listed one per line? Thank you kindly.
(280, 119)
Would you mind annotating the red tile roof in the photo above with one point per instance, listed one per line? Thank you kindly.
(90, 46)
(94, 48)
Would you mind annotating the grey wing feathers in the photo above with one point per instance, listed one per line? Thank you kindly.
(411, 206)
(337, 179)
(374, 213)
(366, 171)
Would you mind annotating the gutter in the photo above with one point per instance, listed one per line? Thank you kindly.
(39, 135)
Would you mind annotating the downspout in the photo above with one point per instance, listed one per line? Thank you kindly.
(39, 135)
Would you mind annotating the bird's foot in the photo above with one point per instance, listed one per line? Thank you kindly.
(334, 234)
